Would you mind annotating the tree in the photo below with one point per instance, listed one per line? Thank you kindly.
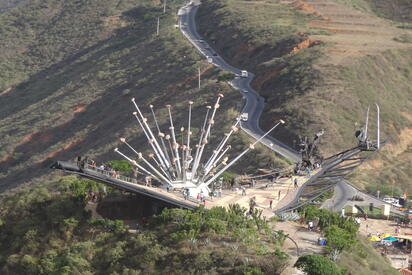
(121, 165)
(338, 238)
(317, 265)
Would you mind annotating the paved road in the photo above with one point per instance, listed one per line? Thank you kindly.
(344, 191)
(254, 103)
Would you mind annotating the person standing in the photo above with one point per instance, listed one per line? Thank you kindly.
(310, 225)
(270, 204)
(279, 195)
(232, 183)
(296, 183)
(243, 191)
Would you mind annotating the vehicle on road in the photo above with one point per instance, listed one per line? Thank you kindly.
(244, 74)
(391, 200)
(244, 116)
(214, 54)
(209, 59)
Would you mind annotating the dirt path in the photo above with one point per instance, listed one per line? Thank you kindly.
(306, 241)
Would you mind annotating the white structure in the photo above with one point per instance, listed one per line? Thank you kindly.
(185, 165)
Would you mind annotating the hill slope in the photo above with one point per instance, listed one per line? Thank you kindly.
(66, 88)
(320, 64)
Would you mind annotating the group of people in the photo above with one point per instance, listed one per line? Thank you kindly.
(201, 198)
(82, 162)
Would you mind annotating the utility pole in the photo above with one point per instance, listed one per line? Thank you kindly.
(158, 26)
(199, 77)
(164, 6)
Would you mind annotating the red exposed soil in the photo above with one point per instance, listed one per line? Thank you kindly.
(307, 43)
(79, 108)
(306, 7)
(6, 91)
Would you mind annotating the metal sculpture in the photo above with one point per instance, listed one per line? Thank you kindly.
(180, 165)
(335, 168)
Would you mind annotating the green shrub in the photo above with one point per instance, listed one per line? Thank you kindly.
(317, 265)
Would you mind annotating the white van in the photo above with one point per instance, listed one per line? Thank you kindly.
(244, 116)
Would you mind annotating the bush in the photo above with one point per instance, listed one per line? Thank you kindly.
(317, 265)
(121, 165)
(339, 239)
(225, 77)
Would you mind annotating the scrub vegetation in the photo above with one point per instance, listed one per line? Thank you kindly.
(46, 230)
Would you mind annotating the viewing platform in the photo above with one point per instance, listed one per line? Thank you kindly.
(281, 192)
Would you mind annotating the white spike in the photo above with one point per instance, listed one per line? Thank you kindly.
(366, 125)
(241, 155)
(378, 133)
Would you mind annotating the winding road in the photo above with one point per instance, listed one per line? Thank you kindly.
(254, 103)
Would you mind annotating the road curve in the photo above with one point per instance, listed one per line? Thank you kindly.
(254, 103)
(344, 191)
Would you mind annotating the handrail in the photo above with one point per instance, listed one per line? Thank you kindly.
(130, 180)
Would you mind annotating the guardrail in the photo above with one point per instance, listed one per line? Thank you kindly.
(112, 174)
(115, 175)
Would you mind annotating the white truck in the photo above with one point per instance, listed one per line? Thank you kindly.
(244, 116)
(244, 73)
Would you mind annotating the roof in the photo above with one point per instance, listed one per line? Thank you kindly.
(405, 237)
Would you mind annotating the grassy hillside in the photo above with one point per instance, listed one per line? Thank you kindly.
(320, 66)
(364, 259)
(66, 88)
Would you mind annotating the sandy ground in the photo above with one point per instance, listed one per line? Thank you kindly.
(380, 226)
(305, 239)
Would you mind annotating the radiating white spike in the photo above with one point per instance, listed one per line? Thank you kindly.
(139, 154)
(160, 134)
(241, 155)
(378, 133)
(365, 138)
(172, 130)
(135, 164)
(155, 170)
(148, 136)
(213, 164)
(195, 161)
(220, 146)
(162, 158)
(207, 134)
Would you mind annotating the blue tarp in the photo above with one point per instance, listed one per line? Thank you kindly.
(391, 239)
